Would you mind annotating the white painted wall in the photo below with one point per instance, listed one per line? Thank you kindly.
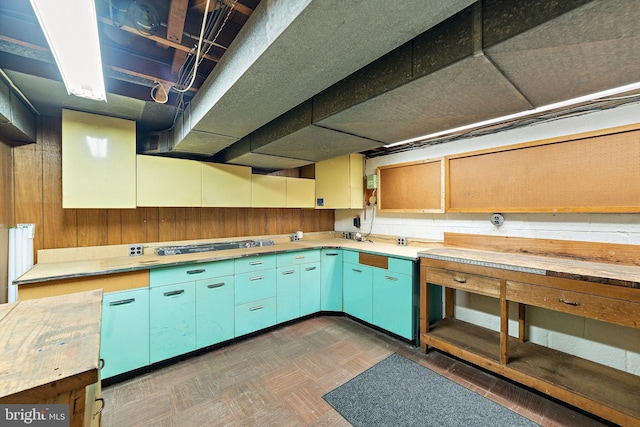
(611, 345)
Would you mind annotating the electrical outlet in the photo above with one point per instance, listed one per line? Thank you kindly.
(294, 237)
(135, 250)
(347, 235)
(402, 241)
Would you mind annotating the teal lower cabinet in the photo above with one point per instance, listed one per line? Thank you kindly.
(393, 302)
(255, 315)
(331, 280)
(255, 296)
(358, 291)
(288, 293)
(124, 334)
(310, 291)
(214, 310)
(172, 319)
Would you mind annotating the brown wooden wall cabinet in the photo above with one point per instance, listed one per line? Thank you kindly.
(607, 392)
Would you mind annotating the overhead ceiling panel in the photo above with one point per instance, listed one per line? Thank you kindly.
(205, 143)
(314, 143)
(266, 162)
(586, 50)
(467, 91)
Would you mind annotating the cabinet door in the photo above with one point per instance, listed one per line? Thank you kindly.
(310, 293)
(393, 308)
(165, 181)
(255, 285)
(172, 317)
(226, 185)
(268, 191)
(331, 280)
(288, 295)
(358, 291)
(124, 334)
(301, 193)
(214, 310)
(339, 182)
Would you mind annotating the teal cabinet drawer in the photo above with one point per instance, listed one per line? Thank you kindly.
(358, 291)
(298, 257)
(352, 257)
(255, 286)
(254, 263)
(288, 293)
(331, 280)
(172, 319)
(402, 266)
(214, 310)
(393, 305)
(254, 316)
(124, 331)
(310, 292)
(186, 273)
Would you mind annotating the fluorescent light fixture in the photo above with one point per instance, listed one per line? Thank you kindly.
(71, 29)
(573, 101)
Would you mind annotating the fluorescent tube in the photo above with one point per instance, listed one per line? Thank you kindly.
(71, 29)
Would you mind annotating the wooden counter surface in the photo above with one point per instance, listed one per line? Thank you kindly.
(597, 272)
(49, 346)
(43, 272)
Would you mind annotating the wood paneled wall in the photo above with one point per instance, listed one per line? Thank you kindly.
(38, 199)
(6, 213)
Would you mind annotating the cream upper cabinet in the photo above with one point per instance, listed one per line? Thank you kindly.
(226, 185)
(164, 181)
(300, 193)
(98, 161)
(268, 191)
(340, 182)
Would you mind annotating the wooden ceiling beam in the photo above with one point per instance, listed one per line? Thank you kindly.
(177, 16)
(238, 7)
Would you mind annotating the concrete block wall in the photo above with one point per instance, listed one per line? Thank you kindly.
(611, 345)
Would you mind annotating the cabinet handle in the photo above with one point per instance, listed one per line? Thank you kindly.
(460, 279)
(215, 285)
(300, 257)
(198, 271)
(573, 303)
(356, 270)
(101, 400)
(310, 268)
(257, 307)
(253, 279)
(172, 293)
(255, 263)
(284, 273)
(394, 279)
(100, 364)
(122, 301)
(331, 254)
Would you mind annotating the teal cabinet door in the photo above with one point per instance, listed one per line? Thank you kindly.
(124, 334)
(358, 291)
(172, 318)
(214, 310)
(255, 315)
(393, 307)
(331, 280)
(310, 291)
(288, 293)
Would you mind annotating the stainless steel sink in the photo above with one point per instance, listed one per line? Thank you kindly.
(209, 247)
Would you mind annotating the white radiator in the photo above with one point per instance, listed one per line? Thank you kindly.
(20, 255)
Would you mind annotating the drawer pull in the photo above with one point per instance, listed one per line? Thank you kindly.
(101, 401)
(253, 279)
(331, 254)
(215, 285)
(310, 268)
(356, 270)
(394, 279)
(100, 363)
(198, 271)
(257, 307)
(300, 257)
(122, 301)
(255, 263)
(460, 279)
(573, 303)
(173, 293)
(284, 273)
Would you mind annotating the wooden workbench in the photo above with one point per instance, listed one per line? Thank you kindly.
(49, 353)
